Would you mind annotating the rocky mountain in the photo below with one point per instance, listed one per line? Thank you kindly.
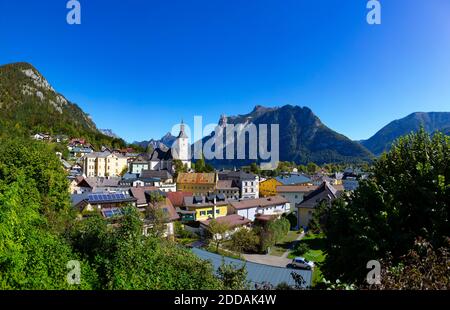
(431, 122)
(303, 137)
(29, 104)
(109, 133)
(166, 141)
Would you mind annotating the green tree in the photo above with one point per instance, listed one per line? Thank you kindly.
(233, 277)
(312, 168)
(33, 253)
(255, 169)
(406, 198)
(245, 240)
(217, 232)
(423, 268)
(179, 167)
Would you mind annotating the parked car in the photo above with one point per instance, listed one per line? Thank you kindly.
(303, 263)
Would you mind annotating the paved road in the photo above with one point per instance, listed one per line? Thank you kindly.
(267, 259)
(280, 261)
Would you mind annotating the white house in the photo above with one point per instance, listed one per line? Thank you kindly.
(294, 193)
(248, 208)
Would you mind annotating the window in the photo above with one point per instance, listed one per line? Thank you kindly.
(296, 196)
(217, 211)
(210, 212)
(202, 213)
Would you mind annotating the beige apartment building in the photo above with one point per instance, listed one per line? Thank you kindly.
(104, 164)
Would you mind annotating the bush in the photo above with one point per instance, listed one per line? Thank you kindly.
(301, 248)
(245, 240)
(292, 218)
(182, 233)
(272, 233)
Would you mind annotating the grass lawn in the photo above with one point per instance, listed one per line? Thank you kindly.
(222, 251)
(282, 246)
(316, 244)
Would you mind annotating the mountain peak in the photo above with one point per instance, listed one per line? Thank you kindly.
(302, 136)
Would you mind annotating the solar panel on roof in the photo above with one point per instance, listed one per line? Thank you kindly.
(108, 213)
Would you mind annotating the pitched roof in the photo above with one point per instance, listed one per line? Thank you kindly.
(226, 184)
(105, 198)
(324, 192)
(177, 197)
(66, 164)
(259, 202)
(293, 179)
(161, 154)
(139, 193)
(168, 208)
(103, 155)
(160, 174)
(232, 220)
(205, 201)
(295, 188)
(196, 178)
(102, 182)
(240, 175)
(257, 273)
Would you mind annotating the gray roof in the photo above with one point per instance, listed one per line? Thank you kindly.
(324, 192)
(293, 179)
(237, 175)
(103, 155)
(161, 154)
(205, 201)
(66, 164)
(257, 273)
(103, 182)
(77, 198)
(160, 174)
(129, 175)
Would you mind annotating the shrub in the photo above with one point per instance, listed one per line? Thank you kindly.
(301, 248)
(245, 240)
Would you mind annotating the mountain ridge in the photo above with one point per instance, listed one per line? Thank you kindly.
(431, 121)
(303, 137)
(29, 104)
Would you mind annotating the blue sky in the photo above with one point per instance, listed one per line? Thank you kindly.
(140, 66)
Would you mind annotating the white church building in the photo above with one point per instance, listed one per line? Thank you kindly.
(162, 157)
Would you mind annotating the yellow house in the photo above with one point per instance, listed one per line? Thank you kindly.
(269, 187)
(207, 207)
(104, 164)
(197, 183)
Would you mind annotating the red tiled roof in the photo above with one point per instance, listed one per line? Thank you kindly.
(196, 178)
(177, 198)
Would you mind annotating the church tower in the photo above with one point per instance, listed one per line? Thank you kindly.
(180, 147)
